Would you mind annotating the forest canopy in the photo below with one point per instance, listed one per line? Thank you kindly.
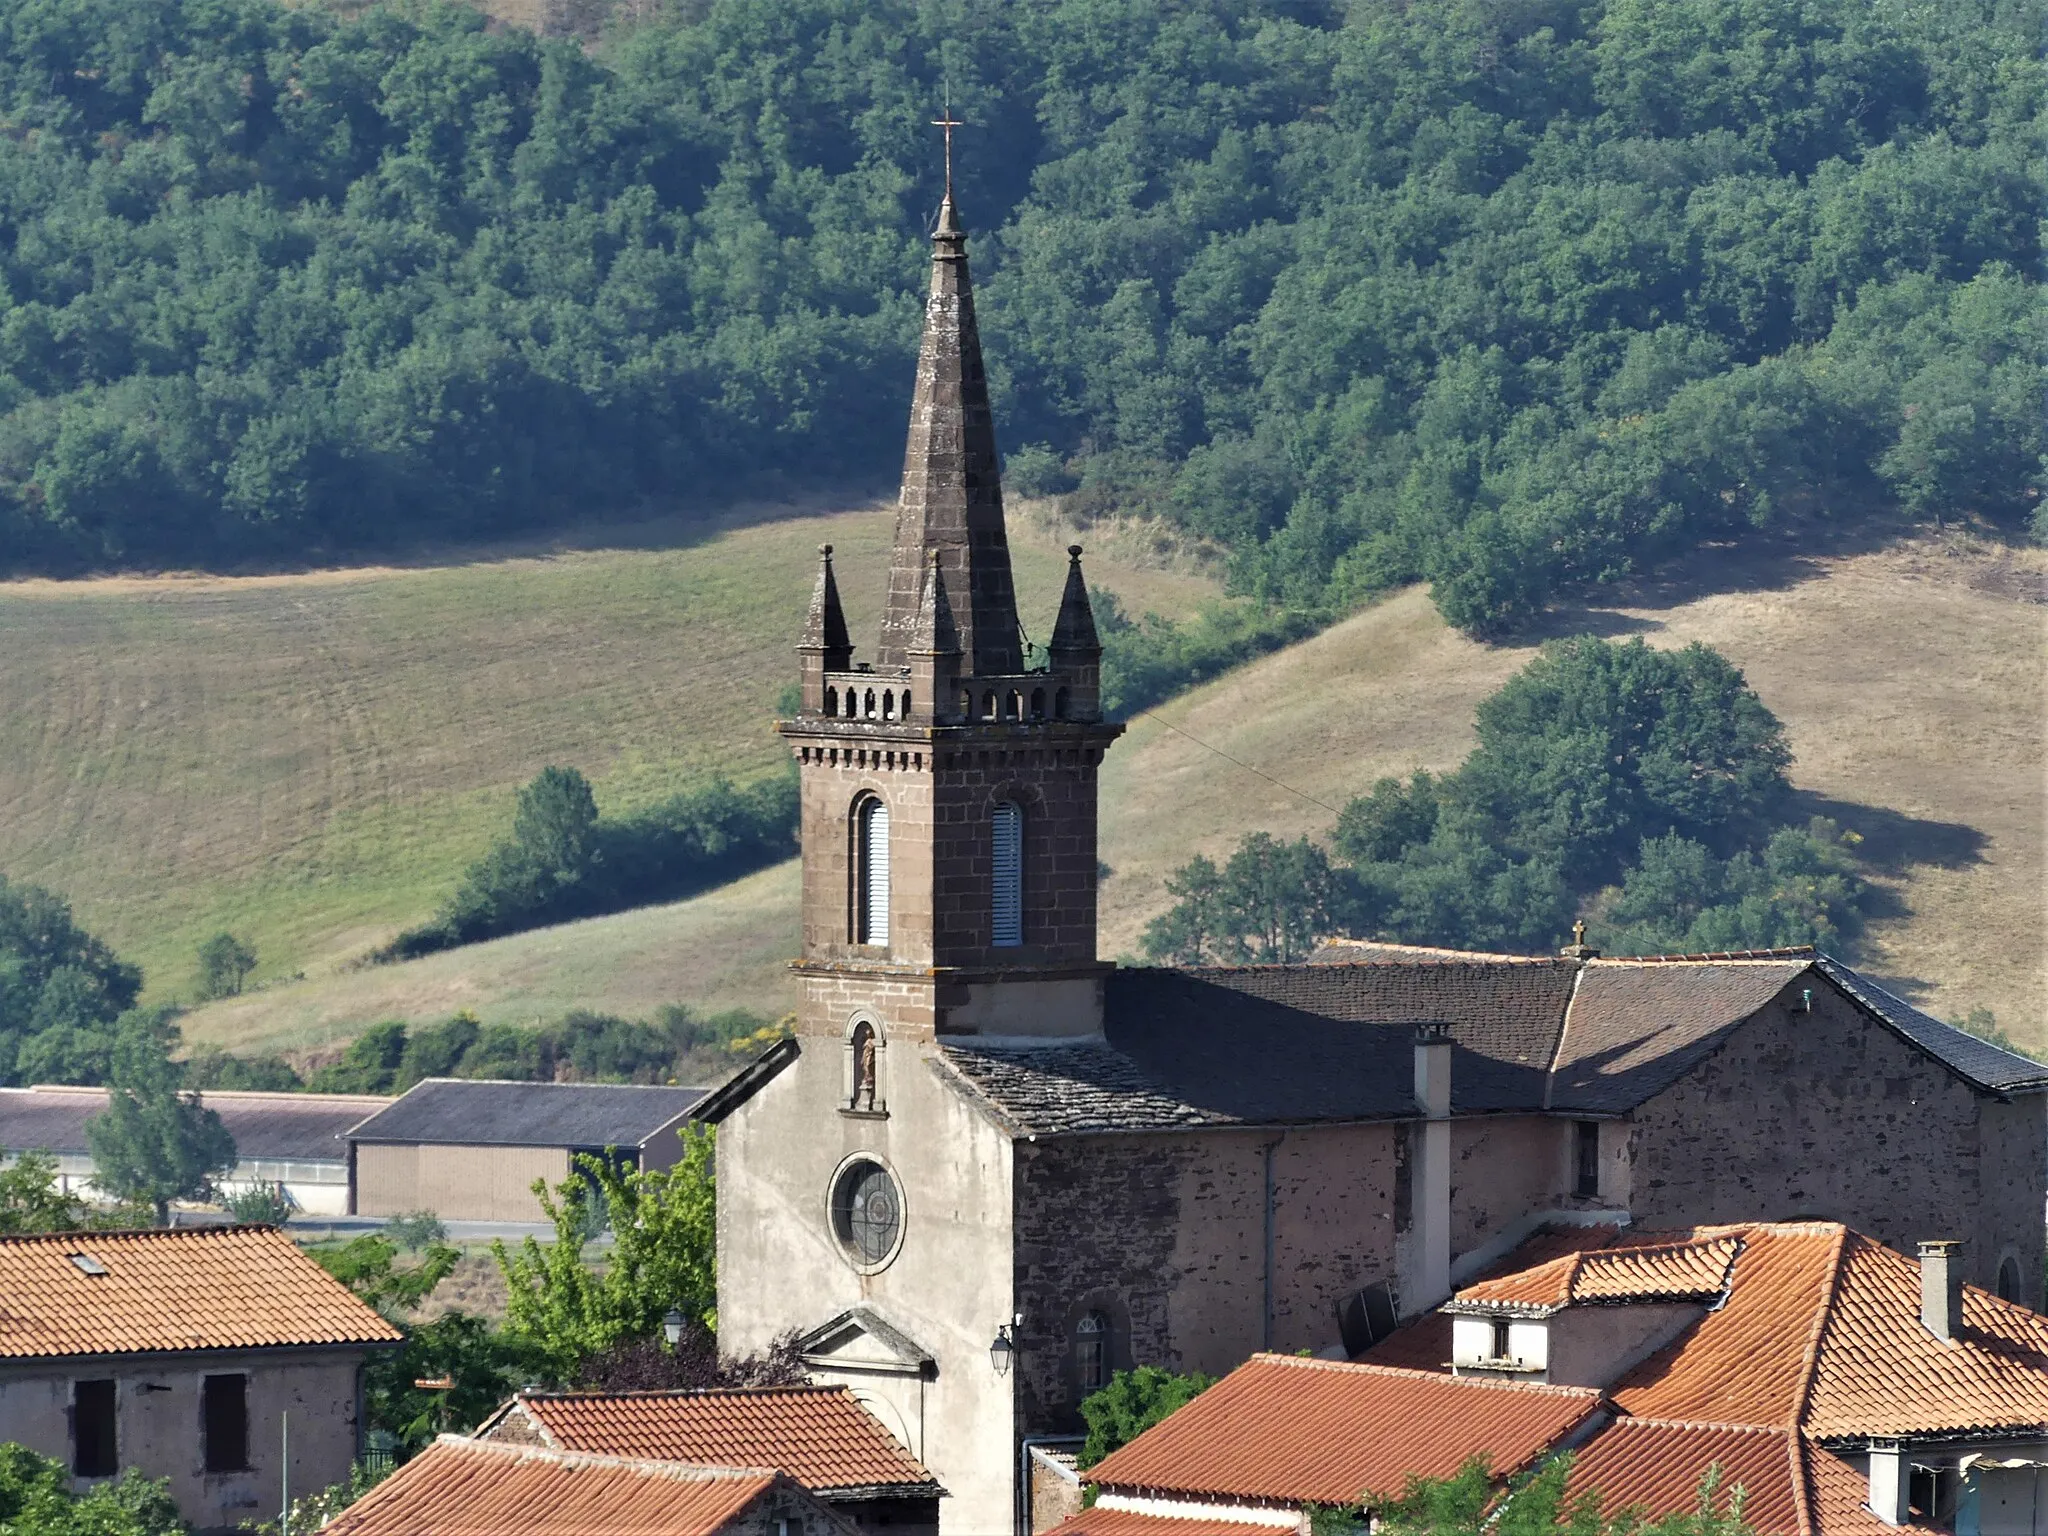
(1510, 296)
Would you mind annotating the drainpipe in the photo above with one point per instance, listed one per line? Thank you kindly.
(1024, 1510)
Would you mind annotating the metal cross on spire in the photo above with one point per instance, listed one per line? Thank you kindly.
(948, 122)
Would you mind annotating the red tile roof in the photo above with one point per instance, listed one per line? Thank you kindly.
(103, 1293)
(821, 1436)
(463, 1487)
(1283, 1427)
(1658, 1272)
(1656, 1466)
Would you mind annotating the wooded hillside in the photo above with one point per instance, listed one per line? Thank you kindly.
(1507, 296)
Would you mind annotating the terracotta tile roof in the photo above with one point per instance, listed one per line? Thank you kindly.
(1283, 1427)
(820, 1436)
(1656, 1466)
(1685, 1271)
(462, 1487)
(195, 1288)
(1130, 1522)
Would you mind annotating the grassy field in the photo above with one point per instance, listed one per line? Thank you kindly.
(309, 760)
(1910, 679)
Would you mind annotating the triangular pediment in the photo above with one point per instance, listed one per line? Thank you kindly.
(858, 1340)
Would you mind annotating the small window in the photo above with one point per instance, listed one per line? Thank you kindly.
(871, 924)
(1007, 864)
(1091, 1353)
(224, 1417)
(94, 1452)
(1586, 1159)
(1500, 1339)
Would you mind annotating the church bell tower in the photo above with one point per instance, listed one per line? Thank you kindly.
(948, 786)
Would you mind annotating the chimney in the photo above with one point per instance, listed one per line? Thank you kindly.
(1890, 1483)
(1941, 1287)
(1427, 1274)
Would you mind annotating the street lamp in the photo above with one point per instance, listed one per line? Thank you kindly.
(672, 1326)
(1002, 1351)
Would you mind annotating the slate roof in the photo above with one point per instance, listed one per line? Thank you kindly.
(474, 1487)
(1332, 1040)
(191, 1288)
(463, 1112)
(296, 1127)
(819, 1435)
(1284, 1427)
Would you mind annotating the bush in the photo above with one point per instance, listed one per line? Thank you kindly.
(268, 1204)
(415, 1230)
(224, 965)
(1131, 1404)
(211, 1068)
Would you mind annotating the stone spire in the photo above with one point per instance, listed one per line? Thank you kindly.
(825, 626)
(952, 501)
(1074, 631)
(935, 633)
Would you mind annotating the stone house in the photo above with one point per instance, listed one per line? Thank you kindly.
(183, 1353)
(460, 1485)
(1844, 1388)
(818, 1435)
(991, 1169)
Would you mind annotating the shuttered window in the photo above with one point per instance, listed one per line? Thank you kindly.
(1008, 906)
(874, 873)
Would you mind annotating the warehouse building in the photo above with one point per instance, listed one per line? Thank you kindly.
(470, 1151)
(298, 1140)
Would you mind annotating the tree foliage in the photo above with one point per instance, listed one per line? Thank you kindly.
(153, 1144)
(63, 992)
(36, 1499)
(224, 965)
(1646, 788)
(1473, 1502)
(1505, 298)
(664, 1235)
(1132, 1403)
(562, 861)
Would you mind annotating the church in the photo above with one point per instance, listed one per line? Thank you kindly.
(990, 1169)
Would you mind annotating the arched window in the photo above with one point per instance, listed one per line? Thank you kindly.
(1059, 705)
(1013, 705)
(906, 703)
(868, 704)
(1091, 1352)
(888, 704)
(1006, 908)
(988, 704)
(871, 874)
(2009, 1278)
(1038, 703)
(831, 701)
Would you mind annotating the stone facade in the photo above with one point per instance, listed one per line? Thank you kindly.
(1816, 1113)
(158, 1423)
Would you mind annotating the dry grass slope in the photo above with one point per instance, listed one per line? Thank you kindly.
(1910, 680)
(310, 760)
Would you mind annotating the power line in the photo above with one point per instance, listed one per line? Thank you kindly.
(1247, 767)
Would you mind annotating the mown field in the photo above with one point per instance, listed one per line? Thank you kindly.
(309, 760)
(1910, 678)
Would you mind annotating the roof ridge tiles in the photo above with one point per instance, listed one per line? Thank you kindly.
(1786, 952)
(1624, 1419)
(681, 1471)
(1411, 1373)
(790, 1389)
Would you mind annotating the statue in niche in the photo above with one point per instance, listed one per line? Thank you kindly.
(864, 1067)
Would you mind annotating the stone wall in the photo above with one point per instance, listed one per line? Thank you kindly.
(1829, 1114)
(1168, 1236)
(157, 1423)
(1503, 1167)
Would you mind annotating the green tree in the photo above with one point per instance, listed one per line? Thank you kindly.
(369, 1064)
(36, 1499)
(153, 1144)
(1131, 1404)
(224, 965)
(31, 1200)
(1474, 1502)
(1269, 904)
(663, 1256)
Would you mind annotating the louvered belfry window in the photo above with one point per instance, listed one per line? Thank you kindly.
(1007, 927)
(873, 926)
